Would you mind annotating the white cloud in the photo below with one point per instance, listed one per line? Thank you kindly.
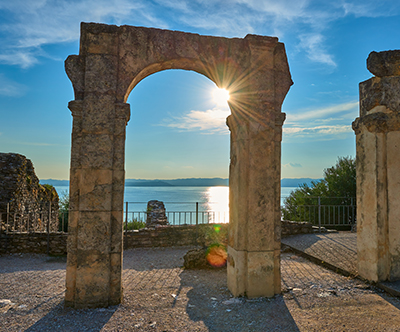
(210, 121)
(313, 44)
(333, 122)
(320, 114)
(29, 25)
(292, 165)
(10, 88)
(33, 24)
(318, 130)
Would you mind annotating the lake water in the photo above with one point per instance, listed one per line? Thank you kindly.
(180, 202)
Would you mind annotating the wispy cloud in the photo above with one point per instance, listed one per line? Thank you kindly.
(313, 44)
(29, 25)
(10, 88)
(318, 130)
(33, 24)
(208, 122)
(333, 122)
(292, 165)
(322, 113)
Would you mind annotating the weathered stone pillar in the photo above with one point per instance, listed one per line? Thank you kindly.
(378, 173)
(254, 177)
(97, 175)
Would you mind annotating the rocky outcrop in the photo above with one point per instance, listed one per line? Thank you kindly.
(24, 203)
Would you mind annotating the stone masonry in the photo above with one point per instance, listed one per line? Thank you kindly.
(378, 176)
(156, 214)
(112, 60)
(27, 200)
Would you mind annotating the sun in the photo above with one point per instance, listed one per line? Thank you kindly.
(220, 96)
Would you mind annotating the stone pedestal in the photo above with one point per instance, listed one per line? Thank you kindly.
(378, 173)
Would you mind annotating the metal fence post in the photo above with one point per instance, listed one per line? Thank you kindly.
(319, 214)
(8, 217)
(197, 222)
(126, 217)
(48, 229)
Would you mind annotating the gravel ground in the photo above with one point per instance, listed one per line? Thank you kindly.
(160, 296)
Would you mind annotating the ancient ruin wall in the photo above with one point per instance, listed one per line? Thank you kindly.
(25, 197)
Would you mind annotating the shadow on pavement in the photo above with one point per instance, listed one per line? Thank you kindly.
(66, 319)
(215, 307)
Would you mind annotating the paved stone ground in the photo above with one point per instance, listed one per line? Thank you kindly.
(337, 249)
(160, 296)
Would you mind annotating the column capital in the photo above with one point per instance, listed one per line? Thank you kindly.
(123, 111)
(76, 107)
(378, 120)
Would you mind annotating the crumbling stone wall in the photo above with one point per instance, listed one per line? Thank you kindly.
(24, 203)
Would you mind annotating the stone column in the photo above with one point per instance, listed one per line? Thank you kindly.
(254, 178)
(378, 174)
(254, 229)
(94, 263)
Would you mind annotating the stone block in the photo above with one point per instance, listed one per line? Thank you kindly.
(92, 280)
(95, 189)
(98, 116)
(261, 274)
(94, 232)
(97, 151)
(237, 272)
(102, 43)
(101, 74)
(386, 63)
(380, 92)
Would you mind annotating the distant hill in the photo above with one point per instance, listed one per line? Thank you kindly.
(55, 182)
(191, 182)
(147, 183)
(286, 182)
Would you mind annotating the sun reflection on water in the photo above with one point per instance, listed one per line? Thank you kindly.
(218, 204)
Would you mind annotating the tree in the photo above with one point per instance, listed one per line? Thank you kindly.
(337, 188)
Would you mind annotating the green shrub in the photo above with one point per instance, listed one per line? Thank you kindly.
(134, 224)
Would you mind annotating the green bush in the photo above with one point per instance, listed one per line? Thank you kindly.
(134, 224)
(337, 188)
(63, 212)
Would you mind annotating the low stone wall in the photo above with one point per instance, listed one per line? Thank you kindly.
(33, 243)
(161, 237)
(164, 236)
(295, 227)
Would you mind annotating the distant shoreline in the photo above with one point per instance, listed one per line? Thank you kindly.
(190, 182)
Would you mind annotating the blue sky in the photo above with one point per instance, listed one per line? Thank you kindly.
(177, 129)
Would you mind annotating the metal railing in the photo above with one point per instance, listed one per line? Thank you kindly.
(196, 216)
(33, 221)
(323, 212)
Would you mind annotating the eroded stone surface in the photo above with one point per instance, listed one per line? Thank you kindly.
(111, 62)
(156, 214)
(386, 63)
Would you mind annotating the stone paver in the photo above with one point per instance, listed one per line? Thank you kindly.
(336, 249)
(160, 296)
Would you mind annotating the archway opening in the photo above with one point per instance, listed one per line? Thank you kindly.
(177, 149)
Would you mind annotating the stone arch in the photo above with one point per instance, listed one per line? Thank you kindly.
(111, 61)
